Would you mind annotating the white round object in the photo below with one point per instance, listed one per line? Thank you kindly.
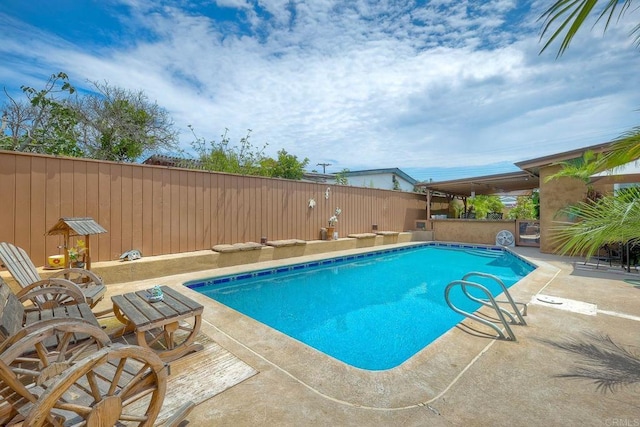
(505, 238)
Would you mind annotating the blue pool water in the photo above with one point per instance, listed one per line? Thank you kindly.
(373, 311)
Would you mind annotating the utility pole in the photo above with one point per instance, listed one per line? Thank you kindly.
(324, 166)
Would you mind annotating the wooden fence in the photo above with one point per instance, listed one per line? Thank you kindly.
(161, 210)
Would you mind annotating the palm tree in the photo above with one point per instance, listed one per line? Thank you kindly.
(601, 219)
(613, 218)
(582, 169)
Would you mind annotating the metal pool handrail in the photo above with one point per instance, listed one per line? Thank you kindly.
(517, 312)
(463, 284)
(515, 318)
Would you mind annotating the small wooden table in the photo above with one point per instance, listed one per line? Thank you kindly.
(168, 327)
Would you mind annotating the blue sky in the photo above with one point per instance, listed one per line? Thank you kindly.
(441, 89)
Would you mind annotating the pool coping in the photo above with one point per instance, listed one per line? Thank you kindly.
(416, 382)
(262, 272)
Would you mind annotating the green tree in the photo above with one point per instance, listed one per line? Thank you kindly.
(483, 204)
(341, 177)
(535, 198)
(121, 125)
(395, 182)
(45, 122)
(288, 166)
(245, 158)
(110, 123)
(525, 208)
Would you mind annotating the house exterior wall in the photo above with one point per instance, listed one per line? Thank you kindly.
(556, 195)
(161, 210)
(383, 181)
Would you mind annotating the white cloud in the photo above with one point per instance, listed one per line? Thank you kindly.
(239, 4)
(362, 84)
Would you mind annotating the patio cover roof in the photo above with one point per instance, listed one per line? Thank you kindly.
(513, 183)
(522, 182)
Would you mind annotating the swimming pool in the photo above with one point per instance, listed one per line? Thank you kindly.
(373, 310)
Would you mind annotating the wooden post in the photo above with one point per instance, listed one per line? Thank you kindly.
(87, 253)
(67, 261)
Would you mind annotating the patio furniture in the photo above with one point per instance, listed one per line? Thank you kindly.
(65, 371)
(169, 326)
(608, 253)
(103, 386)
(631, 255)
(22, 269)
(16, 320)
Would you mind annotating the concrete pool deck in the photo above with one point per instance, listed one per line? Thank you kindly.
(565, 367)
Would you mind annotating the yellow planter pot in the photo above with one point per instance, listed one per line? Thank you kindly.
(56, 261)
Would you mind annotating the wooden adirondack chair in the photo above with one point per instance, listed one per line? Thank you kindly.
(114, 384)
(64, 370)
(16, 320)
(22, 269)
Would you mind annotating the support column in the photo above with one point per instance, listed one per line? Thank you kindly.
(429, 221)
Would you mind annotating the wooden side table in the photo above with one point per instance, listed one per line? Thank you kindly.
(168, 327)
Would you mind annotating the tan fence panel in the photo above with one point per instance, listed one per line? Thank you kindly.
(161, 210)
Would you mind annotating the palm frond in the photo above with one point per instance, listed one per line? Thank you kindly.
(601, 360)
(582, 168)
(614, 218)
(624, 150)
(636, 35)
(575, 13)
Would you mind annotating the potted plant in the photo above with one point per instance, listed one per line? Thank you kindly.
(76, 254)
(332, 223)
